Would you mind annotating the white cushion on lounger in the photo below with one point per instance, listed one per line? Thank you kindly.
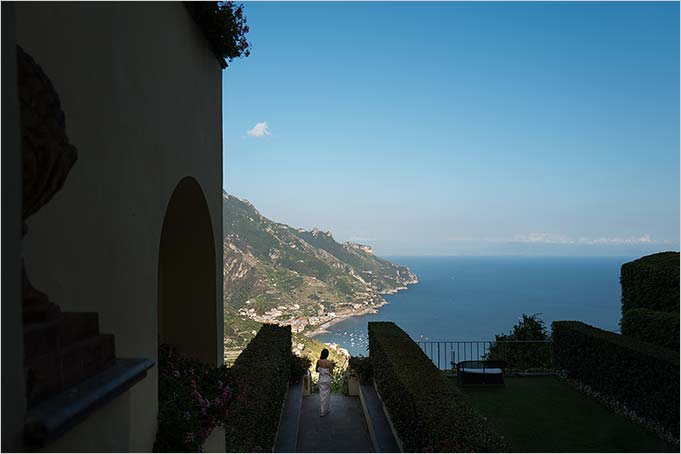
(491, 370)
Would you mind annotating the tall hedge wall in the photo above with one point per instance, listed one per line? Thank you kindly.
(428, 410)
(659, 328)
(638, 374)
(651, 282)
(259, 379)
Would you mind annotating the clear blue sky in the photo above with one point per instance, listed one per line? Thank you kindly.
(461, 128)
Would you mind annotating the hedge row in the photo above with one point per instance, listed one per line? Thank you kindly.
(428, 410)
(259, 379)
(651, 282)
(640, 375)
(659, 328)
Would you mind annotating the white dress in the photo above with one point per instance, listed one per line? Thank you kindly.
(325, 380)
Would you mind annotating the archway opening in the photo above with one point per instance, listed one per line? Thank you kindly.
(187, 312)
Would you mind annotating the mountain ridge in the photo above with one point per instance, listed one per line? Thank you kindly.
(275, 273)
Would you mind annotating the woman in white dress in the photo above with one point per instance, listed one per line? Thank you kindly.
(325, 368)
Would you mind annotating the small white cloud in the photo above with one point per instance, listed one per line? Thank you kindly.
(552, 238)
(259, 130)
(543, 238)
(645, 238)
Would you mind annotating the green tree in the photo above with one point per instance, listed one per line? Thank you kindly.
(523, 355)
(224, 26)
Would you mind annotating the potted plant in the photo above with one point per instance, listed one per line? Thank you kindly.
(360, 373)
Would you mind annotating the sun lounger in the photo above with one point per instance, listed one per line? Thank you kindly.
(481, 372)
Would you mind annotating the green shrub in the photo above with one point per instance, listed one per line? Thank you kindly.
(428, 410)
(659, 328)
(299, 366)
(523, 355)
(224, 26)
(651, 282)
(339, 385)
(259, 379)
(640, 375)
(361, 366)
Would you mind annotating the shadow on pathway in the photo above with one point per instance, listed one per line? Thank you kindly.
(342, 430)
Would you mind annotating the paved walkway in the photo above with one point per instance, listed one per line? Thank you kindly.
(287, 437)
(342, 430)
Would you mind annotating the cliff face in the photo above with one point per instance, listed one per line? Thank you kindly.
(278, 274)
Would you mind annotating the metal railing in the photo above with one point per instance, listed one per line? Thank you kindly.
(519, 355)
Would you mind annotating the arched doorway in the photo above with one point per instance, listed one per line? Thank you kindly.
(187, 312)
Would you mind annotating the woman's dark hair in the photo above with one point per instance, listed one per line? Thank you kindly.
(325, 354)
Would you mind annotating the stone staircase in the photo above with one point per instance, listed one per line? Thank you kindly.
(62, 349)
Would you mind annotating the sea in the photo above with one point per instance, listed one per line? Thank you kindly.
(474, 298)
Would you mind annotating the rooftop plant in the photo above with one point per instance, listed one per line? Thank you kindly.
(224, 26)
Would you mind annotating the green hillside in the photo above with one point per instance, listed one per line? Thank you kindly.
(275, 273)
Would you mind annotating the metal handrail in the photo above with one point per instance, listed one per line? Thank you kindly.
(446, 353)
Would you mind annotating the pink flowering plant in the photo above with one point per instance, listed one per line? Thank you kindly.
(193, 400)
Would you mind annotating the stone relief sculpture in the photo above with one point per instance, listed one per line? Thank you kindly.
(47, 158)
(61, 348)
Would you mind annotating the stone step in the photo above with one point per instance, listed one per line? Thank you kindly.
(84, 359)
(41, 338)
(78, 326)
(39, 311)
(68, 328)
(49, 373)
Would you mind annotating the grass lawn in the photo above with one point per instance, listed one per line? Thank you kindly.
(542, 414)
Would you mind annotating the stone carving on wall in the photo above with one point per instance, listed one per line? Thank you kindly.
(47, 158)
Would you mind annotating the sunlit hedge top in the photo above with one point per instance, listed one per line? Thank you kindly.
(651, 282)
(224, 26)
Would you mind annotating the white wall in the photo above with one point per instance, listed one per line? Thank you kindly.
(142, 96)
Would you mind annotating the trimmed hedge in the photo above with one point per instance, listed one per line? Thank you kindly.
(640, 375)
(651, 282)
(259, 379)
(428, 410)
(659, 328)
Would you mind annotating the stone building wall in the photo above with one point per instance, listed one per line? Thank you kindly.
(141, 92)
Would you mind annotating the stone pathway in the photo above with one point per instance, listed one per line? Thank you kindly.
(342, 430)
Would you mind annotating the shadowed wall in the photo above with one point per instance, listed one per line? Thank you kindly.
(142, 95)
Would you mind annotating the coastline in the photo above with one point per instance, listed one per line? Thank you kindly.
(322, 329)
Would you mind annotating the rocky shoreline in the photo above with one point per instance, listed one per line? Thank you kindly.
(392, 291)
